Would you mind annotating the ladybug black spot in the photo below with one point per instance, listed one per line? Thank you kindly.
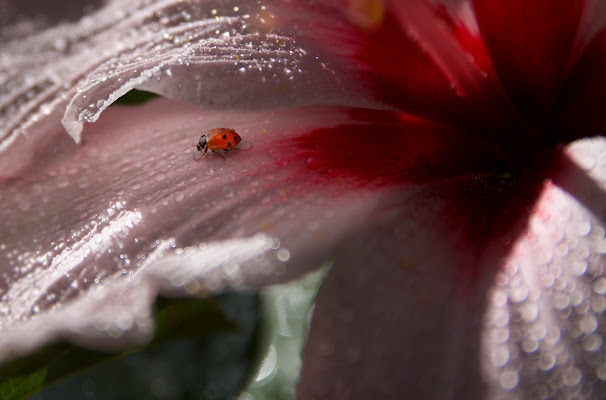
(235, 139)
(224, 136)
(228, 144)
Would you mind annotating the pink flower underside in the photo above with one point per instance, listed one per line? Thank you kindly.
(415, 242)
(417, 213)
(534, 320)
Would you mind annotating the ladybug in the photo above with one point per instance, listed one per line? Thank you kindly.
(218, 139)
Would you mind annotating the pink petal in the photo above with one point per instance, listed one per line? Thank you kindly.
(419, 241)
(403, 311)
(133, 208)
(544, 327)
(222, 57)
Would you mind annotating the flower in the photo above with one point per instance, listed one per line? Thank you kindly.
(433, 153)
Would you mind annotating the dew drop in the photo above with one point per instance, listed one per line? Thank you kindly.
(509, 380)
(599, 286)
(62, 183)
(585, 158)
(499, 356)
(46, 109)
(547, 361)
(529, 345)
(572, 376)
(283, 255)
(314, 162)
(268, 366)
(60, 44)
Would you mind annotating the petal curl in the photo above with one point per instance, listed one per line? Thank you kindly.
(133, 208)
(228, 56)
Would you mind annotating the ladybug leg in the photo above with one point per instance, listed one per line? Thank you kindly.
(219, 154)
(203, 153)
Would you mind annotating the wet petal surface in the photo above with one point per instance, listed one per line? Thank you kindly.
(413, 313)
(461, 220)
(222, 55)
(133, 207)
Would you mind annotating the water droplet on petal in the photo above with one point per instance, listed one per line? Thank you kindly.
(46, 109)
(283, 255)
(314, 162)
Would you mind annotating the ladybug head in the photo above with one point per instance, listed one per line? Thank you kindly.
(202, 143)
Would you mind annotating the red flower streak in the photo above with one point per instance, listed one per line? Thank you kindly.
(483, 99)
(498, 133)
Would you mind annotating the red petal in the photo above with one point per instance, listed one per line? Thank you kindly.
(403, 73)
(469, 38)
(583, 101)
(418, 59)
(530, 43)
(409, 56)
(387, 147)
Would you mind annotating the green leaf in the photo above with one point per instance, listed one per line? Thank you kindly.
(21, 386)
(286, 311)
(202, 349)
(135, 97)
